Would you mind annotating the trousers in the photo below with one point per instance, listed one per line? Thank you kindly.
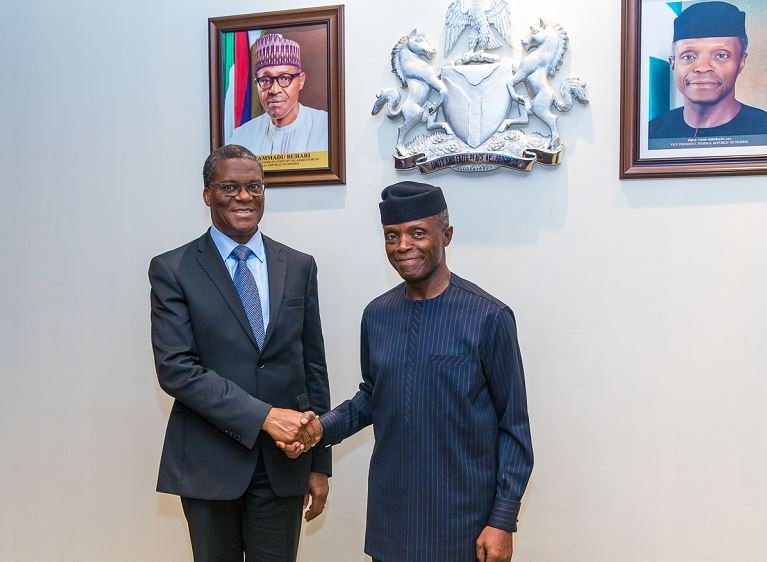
(260, 525)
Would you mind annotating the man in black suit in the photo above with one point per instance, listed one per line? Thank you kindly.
(238, 343)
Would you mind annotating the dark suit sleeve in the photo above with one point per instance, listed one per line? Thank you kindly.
(348, 418)
(502, 365)
(315, 366)
(217, 399)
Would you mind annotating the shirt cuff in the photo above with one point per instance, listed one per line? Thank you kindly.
(322, 459)
(504, 514)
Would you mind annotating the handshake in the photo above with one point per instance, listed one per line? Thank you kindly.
(293, 432)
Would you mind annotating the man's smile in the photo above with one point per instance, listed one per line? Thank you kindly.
(703, 82)
(409, 260)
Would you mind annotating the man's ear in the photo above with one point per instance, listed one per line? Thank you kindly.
(206, 195)
(671, 62)
(742, 64)
(448, 234)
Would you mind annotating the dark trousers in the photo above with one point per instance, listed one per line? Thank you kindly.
(259, 524)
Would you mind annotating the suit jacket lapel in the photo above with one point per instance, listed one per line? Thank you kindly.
(277, 268)
(210, 261)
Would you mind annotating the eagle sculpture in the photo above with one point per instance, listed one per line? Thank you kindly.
(479, 20)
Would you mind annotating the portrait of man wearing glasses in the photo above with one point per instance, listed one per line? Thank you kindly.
(286, 126)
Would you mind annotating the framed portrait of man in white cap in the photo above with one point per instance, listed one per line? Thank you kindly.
(276, 88)
(693, 95)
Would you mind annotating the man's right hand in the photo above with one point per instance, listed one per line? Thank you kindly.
(313, 426)
(289, 426)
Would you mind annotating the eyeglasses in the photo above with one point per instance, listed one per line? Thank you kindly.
(284, 80)
(233, 189)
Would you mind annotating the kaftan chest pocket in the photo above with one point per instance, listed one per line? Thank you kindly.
(451, 360)
(455, 372)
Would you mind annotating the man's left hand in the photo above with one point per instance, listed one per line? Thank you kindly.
(318, 492)
(494, 545)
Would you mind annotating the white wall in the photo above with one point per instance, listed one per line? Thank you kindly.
(641, 305)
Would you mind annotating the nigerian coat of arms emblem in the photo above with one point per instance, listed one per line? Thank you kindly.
(476, 108)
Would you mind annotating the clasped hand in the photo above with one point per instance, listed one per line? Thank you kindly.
(293, 432)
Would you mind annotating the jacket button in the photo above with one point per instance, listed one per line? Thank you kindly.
(260, 365)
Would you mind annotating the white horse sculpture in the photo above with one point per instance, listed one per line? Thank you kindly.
(415, 74)
(546, 48)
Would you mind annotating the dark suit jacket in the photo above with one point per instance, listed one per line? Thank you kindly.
(208, 360)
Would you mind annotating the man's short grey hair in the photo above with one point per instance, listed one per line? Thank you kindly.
(226, 152)
(444, 219)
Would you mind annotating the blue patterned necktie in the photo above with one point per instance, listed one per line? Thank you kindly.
(248, 291)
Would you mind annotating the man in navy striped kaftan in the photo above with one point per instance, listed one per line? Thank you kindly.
(444, 388)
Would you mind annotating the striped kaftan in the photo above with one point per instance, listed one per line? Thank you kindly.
(444, 388)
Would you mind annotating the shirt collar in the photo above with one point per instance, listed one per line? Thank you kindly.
(225, 245)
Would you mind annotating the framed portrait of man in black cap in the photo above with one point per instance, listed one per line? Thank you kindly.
(276, 88)
(693, 88)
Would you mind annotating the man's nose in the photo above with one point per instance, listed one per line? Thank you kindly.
(275, 87)
(404, 244)
(243, 194)
(703, 64)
